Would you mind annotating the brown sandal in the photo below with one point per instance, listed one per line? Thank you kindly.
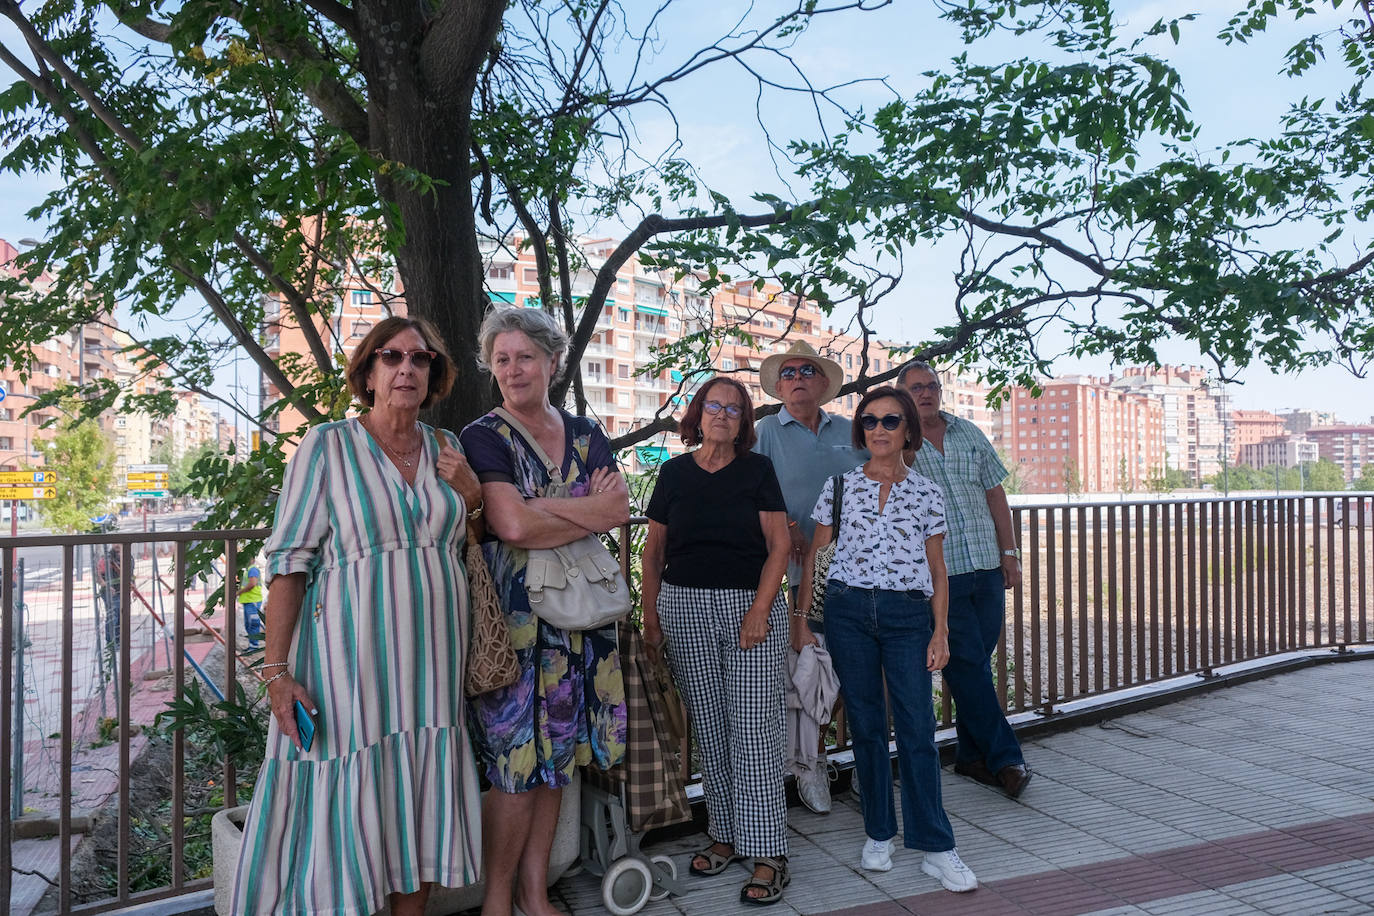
(773, 887)
(715, 862)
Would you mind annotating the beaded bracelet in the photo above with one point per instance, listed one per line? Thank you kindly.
(275, 664)
(276, 677)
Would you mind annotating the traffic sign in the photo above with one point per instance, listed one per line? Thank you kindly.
(3, 392)
(14, 491)
(145, 478)
(146, 468)
(149, 494)
(27, 478)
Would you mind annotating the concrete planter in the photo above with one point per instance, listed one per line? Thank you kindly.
(226, 831)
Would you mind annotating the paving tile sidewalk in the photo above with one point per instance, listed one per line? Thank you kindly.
(1256, 798)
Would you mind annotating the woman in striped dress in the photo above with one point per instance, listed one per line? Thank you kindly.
(367, 628)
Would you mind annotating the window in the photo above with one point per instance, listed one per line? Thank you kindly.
(622, 370)
(624, 314)
(623, 399)
(622, 341)
(6, 443)
(727, 365)
(849, 360)
(531, 275)
(361, 297)
(501, 272)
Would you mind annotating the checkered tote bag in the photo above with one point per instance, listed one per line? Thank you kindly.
(652, 770)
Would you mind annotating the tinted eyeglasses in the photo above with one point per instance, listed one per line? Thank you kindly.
(731, 410)
(890, 422)
(420, 359)
(805, 371)
(915, 387)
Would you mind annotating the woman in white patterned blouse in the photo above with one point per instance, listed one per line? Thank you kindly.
(885, 623)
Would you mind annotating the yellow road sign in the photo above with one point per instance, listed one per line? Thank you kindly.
(12, 491)
(27, 478)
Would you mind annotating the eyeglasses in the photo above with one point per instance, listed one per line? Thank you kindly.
(932, 387)
(890, 422)
(805, 371)
(420, 359)
(731, 410)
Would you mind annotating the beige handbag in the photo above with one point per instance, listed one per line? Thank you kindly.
(578, 586)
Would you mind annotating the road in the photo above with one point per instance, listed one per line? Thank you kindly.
(43, 565)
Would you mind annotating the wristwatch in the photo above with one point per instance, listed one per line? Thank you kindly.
(1012, 552)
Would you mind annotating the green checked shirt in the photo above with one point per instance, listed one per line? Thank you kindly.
(965, 472)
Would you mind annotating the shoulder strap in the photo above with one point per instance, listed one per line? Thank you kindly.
(836, 501)
(555, 472)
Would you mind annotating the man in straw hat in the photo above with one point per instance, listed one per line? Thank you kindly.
(807, 447)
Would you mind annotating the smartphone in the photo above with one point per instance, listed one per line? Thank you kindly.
(305, 726)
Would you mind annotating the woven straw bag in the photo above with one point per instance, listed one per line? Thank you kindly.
(491, 662)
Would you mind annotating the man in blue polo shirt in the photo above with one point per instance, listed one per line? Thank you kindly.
(983, 561)
(807, 447)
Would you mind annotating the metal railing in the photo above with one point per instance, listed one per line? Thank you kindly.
(1115, 595)
(102, 671)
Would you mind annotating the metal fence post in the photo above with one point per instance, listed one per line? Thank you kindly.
(17, 793)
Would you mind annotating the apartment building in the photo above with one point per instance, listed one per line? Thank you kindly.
(646, 309)
(1250, 427)
(1286, 451)
(1081, 434)
(1301, 420)
(1194, 414)
(1350, 447)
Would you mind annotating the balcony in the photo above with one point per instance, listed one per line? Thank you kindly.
(1124, 606)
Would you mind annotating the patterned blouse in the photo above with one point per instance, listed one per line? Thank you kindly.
(885, 549)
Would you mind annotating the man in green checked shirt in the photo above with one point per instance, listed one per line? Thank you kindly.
(983, 562)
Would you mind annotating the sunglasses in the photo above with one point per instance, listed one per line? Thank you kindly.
(420, 359)
(890, 422)
(731, 410)
(791, 372)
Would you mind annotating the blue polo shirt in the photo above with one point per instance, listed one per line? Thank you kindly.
(804, 461)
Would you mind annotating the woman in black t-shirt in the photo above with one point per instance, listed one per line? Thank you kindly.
(713, 565)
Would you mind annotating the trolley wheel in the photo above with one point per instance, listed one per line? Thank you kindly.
(626, 886)
(662, 866)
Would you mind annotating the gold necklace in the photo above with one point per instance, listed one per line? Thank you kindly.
(398, 456)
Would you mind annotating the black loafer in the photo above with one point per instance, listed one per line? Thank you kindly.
(1014, 779)
(978, 771)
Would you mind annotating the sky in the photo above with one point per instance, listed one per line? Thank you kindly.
(1233, 92)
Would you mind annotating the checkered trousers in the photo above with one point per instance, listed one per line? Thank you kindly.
(735, 700)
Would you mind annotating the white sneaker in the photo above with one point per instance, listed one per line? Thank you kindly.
(950, 869)
(813, 787)
(877, 855)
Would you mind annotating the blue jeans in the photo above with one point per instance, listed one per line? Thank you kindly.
(977, 603)
(872, 634)
(252, 620)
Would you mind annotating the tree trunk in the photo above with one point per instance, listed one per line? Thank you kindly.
(421, 72)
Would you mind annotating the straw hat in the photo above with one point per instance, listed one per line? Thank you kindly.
(768, 371)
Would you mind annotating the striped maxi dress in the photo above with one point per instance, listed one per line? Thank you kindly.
(387, 797)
